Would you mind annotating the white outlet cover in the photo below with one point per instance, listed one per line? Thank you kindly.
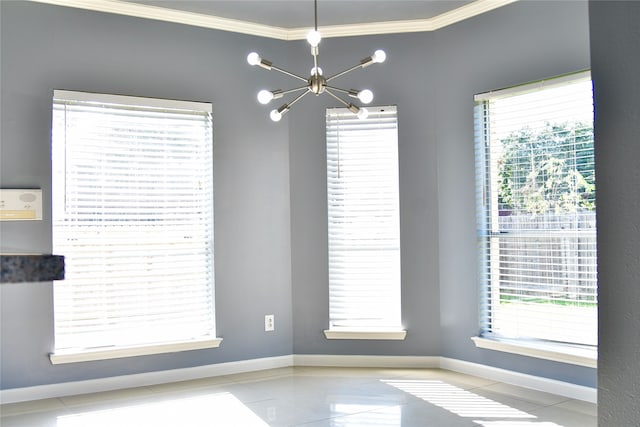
(269, 324)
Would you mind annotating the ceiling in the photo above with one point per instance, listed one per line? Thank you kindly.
(291, 19)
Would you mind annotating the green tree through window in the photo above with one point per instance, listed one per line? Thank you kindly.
(547, 170)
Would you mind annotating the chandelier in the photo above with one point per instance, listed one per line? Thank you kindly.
(317, 83)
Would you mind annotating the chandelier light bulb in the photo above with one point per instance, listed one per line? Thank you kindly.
(314, 37)
(365, 96)
(363, 113)
(265, 96)
(275, 115)
(379, 56)
(253, 58)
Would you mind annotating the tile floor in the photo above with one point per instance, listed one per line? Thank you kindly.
(311, 397)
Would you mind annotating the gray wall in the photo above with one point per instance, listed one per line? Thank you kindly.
(271, 245)
(432, 77)
(46, 47)
(522, 42)
(407, 61)
(615, 47)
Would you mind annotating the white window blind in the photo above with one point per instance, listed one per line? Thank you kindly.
(363, 219)
(133, 216)
(536, 211)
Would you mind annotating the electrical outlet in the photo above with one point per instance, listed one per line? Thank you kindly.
(269, 323)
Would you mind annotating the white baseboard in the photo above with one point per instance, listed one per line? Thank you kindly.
(573, 391)
(351, 361)
(569, 390)
(139, 380)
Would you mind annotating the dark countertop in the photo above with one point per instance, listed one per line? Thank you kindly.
(17, 268)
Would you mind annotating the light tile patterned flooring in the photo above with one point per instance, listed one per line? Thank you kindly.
(311, 397)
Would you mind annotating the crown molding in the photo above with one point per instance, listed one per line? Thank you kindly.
(175, 16)
(237, 26)
(470, 10)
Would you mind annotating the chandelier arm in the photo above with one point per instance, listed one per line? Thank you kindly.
(284, 92)
(342, 73)
(348, 92)
(338, 98)
(273, 67)
(365, 96)
(297, 98)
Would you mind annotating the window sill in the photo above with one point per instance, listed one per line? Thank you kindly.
(360, 334)
(574, 355)
(104, 353)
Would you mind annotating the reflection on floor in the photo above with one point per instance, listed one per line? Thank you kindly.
(311, 397)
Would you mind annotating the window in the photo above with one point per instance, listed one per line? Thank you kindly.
(536, 212)
(133, 216)
(364, 225)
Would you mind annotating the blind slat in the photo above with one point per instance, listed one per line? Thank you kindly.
(364, 242)
(133, 216)
(536, 211)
